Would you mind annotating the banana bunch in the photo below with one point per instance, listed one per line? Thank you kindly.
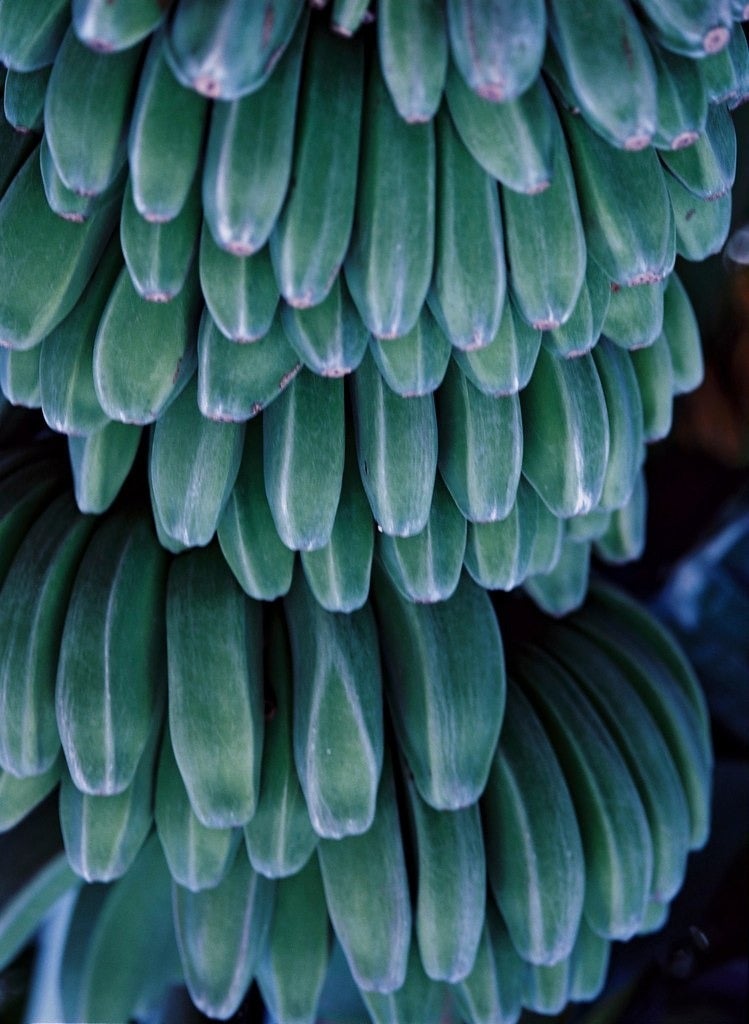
(276, 773)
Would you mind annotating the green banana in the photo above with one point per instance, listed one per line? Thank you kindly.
(546, 988)
(413, 50)
(514, 141)
(396, 446)
(414, 364)
(19, 797)
(426, 567)
(145, 352)
(683, 337)
(89, 144)
(236, 381)
(497, 46)
(19, 376)
(372, 922)
(111, 670)
(248, 157)
(702, 225)
(292, 967)
(387, 274)
(725, 75)
(62, 201)
(45, 261)
(491, 993)
(634, 318)
(279, 838)
(226, 51)
(338, 739)
(303, 456)
(655, 380)
(655, 917)
(566, 452)
(159, 255)
(621, 393)
(480, 447)
(707, 167)
(167, 542)
(682, 100)
(445, 684)
(589, 965)
(101, 462)
(33, 603)
(260, 561)
(562, 588)
(221, 933)
(110, 27)
(329, 337)
(498, 554)
(348, 15)
(589, 526)
(338, 573)
(418, 998)
(504, 366)
(166, 118)
(312, 233)
(23, 98)
(623, 540)
(692, 27)
(614, 829)
(31, 32)
(214, 632)
(534, 851)
(240, 291)
(198, 857)
(582, 330)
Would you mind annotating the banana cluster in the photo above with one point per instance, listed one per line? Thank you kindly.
(481, 243)
(471, 819)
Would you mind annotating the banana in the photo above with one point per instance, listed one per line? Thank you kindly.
(198, 857)
(25, 490)
(236, 381)
(451, 886)
(414, 364)
(694, 28)
(303, 456)
(312, 233)
(582, 330)
(682, 334)
(498, 554)
(248, 157)
(111, 670)
(589, 965)
(19, 376)
(614, 85)
(33, 602)
(338, 574)
(145, 352)
(655, 379)
(534, 851)
(193, 464)
(497, 47)
(329, 337)
(643, 747)
(491, 993)
(623, 540)
(23, 98)
(111, 27)
(279, 838)
(260, 561)
(388, 275)
(682, 99)
(101, 462)
(366, 890)
(626, 424)
(469, 280)
(45, 261)
(14, 149)
(725, 75)
(348, 15)
(566, 442)
(616, 839)
(634, 318)
(707, 167)
(445, 683)
(103, 834)
(546, 988)
(514, 141)
(159, 255)
(338, 740)
(629, 230)
(480, 447)
(702, 225)
(240, 291)
(89, 144)
(426, 567)
(214, 632)
(19, 797)
(62, 201)
(66, 375)
(31, 32)
(229, 50)
(504, 366)
(413, 50)
(588, 527)
(292, 966)
(418, 998)
(221, 933)
(655, 917)
(562, 589)
(537, 228)
(396, 446)
(166, 118)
